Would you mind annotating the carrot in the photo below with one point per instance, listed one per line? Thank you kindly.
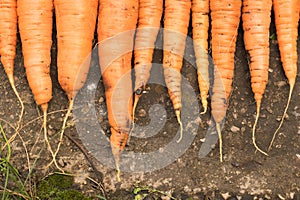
(75, 23)
(176, 22)
(116, 41)
(225, 18)
(35, 26)
(200, 23)
(150, 13)
(256, 24)
(286, 22)
(8, 41)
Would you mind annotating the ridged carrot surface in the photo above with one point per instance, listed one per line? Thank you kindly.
(113, 35)
(35, 26)
(176, 22)
(200, 24)
(286, 22)
(76, 23)
(8, 35)
(150, 13)
(225, 18)
(8, 41)
(256, 24)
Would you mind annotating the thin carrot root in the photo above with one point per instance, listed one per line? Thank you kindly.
(118, 173)
(71, 103)
(292, 84)
(44, 109)
(12, 83)
(220, 141)
(286, 21)
(254, 127)
(21, 103)
(116, 153)
(177, 112)
(136, 100)
(204, 104)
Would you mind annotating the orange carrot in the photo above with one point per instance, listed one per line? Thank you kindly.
(176, 22)
(8, 41)
(118, 33)
(256, 24)
(286, 22)
(150, 12)
(200, 23)
(76, 23)
(35, 26)
(225, 18)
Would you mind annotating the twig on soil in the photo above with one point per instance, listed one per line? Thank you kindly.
(86, 155)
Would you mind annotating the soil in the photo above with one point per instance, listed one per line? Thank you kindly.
(244, 174)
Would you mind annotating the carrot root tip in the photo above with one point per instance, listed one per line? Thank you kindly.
(177, 112)
(118, 175)
(220, 141)
(204, 104)
(254, 128)
(136, 99)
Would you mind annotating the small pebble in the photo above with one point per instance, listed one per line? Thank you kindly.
(202, 140)
(142, 113)
(235, 129)
(243, 110)
(235, 164)
(234, 115)
(269, 110)
(101, 99)
(280, 83)
(226, 195)
(243, 129)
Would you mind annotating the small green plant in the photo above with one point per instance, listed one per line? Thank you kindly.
(273, 36)
(10, 173)
(142, 192)
(54, 187)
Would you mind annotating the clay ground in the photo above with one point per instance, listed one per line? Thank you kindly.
(244, 172)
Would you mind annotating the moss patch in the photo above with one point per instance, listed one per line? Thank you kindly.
(58, 187)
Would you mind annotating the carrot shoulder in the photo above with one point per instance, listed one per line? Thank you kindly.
(176, 22)
(225, 18)
(150, 13)
(200, 23)
(116, 37)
